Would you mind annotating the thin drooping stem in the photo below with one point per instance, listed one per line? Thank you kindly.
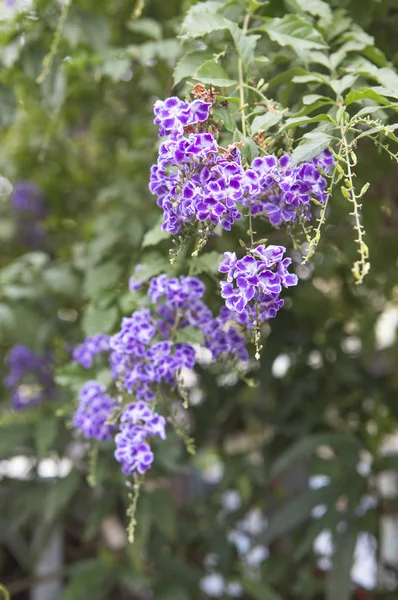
(241, 82)
(321, 221)
(361, 266)
(49, 58)
(242, 96)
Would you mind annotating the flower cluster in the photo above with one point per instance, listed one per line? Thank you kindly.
(192, 179)
(150, 351)
(85, 353)
(174, 115)
(143, 353)
(282, 192)
(138, 422)
(197, 181)
(94, 410)
(28, 203)
(30, 377)
(254, 282)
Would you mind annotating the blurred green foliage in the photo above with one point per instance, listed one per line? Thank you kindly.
(85, 136)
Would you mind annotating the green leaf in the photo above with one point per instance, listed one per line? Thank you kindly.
(296, 121)
(46, 432)
(340, 85)
(5, 187)
(313, 98)
(71, 375)
(189, 335)
(202, 19)
(386, 463)
(368, 110)
(206, 263)
(153, 264)
(98, 512)
(115, 67)
(314, 143)
(287, 76)
(99, 320)
(155, 235)
(245, 44)
(320, 58)
(338, 580)
(166, 50)
(310, 108)
(388, 78)
(13, 436)
(91, 579)
(310, 78)
(60, 495)
(172, 592)
(164, 513)
(189, 64)
(369, 93)
(8, 105)
(375, 55)
(250, 150)
(7, 321)
(385, 129)
(306, 446)
(223, 116)
(61, 280)
(101, 278)
(317, 8)
(306, 544)
(264, 122)
(294, 31)
(379, 89)
(259, 590)
(298, 510)
(211, 72)
(146, 26)
(230, 99)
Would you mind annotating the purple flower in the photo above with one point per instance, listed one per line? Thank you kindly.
(28, 199)
(185, 355)
(228, 265)
(94, 410)
(193, 179)
(283, 192)
(135, 285)
(211, 209)
(136, 412)
(138, 423)
(143, 354)
(226, 337)
(30, 377)
(85, 353)
(28, 203)
(325, 161)
(172, 114)
(255, 281)
(135, 457)
(199, 111)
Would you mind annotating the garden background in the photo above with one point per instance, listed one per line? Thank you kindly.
(299, 457)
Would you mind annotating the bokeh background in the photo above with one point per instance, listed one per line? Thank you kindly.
(245, 517)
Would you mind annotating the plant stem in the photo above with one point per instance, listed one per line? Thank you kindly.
(241, 83)
(131, 511)
(361, 266)
(49, 58)
(251, 87)
(321, 221)
(4, 592)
